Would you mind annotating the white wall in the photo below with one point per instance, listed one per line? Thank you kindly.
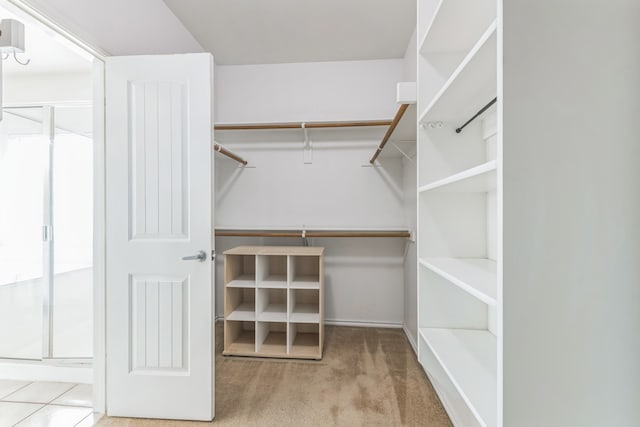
(571, 213)
(364, 276)
(410, 66)
(313, 91)
(47, 88)
(410, 179)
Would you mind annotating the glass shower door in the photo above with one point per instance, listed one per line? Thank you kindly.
(46, 233)
(72, 318)
(24, 190)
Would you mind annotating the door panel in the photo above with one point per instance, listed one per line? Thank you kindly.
(160, 335)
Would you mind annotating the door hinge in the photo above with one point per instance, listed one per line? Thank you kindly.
(213, 255)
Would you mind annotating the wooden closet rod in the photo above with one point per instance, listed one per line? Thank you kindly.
(392, 127)
(301, 234)
(220, 149)
(307, 125)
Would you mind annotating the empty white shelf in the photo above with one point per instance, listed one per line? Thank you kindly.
(274, 313)
(476, 276)
(305, 313)
(469, 18)
(478, 179)
(469, 359)
(275, 281)
(305, 282)
(243, 281)
(244, 312)
(471, 86)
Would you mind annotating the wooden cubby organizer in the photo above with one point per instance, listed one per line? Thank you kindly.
(273, 302)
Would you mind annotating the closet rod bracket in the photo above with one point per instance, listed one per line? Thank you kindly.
(307, 151)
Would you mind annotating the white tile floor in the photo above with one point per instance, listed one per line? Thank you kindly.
(45, 404)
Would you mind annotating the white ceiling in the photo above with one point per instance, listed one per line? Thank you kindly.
(282, 31)
(121, 27)
(46, 54)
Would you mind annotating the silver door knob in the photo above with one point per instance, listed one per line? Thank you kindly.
(200, 257)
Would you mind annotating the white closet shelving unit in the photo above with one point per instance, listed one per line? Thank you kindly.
(458, 199)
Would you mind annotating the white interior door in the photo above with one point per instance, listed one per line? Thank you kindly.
(160, 330)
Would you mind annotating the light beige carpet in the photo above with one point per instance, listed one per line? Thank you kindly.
(367, 377)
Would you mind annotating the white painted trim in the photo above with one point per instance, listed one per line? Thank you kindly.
(99, 241)
(412, 341)
(44, 371)
(362, 324)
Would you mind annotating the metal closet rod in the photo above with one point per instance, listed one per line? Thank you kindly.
(220, 149)
(307, 234)
(482, 110)
(392, 127)
(303, 125)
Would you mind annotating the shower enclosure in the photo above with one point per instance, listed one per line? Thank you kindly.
(46, 236)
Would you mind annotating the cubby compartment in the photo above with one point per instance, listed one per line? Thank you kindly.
(240, 271)
(272, 305)
(271, 338)
(239, 338)
(448, 306)
(453, 225)
(239, 304)
(304, 340)
(304, 272)
(445, 153)
(272, 271)
(304, 305)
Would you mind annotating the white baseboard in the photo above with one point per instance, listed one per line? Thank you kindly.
(412, 341)
(38, 371)
(362, 324)
(447, 408)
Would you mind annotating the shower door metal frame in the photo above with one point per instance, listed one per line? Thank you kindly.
(49, 131)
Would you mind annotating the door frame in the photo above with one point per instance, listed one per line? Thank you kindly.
(36, 17)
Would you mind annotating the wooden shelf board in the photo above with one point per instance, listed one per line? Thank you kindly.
(243, 281)
(479, 179)
(245, 344)
(274, 313)
(469, 18)
(469, 359)
(274, 281)
(476, 276)
(305, 313)
(244, 312)
(305, 282)
(276, 250)
(471, 86)
(306, 345)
